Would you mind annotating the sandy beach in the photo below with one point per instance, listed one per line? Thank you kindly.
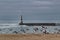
(29, 36)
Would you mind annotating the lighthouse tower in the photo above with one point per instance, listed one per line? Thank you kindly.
(21, 21)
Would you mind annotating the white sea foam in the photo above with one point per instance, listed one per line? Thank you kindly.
(7, 28)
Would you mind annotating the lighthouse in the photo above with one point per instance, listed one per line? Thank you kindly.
(21, 20)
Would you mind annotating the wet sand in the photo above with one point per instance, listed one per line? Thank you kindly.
(29, 36)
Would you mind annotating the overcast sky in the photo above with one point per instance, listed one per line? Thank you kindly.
(30, 9)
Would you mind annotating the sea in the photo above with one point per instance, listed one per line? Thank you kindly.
(15, 28)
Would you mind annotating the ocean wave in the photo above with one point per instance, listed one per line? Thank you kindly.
(15, 28)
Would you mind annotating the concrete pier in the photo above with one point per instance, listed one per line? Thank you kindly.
(36, 24)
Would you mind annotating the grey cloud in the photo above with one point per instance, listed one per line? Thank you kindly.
(30, 9)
